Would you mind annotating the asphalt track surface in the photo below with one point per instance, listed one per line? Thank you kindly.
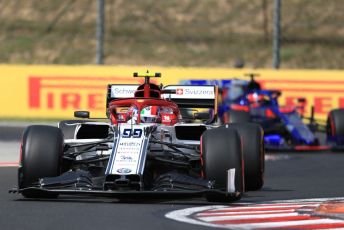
(288, 176)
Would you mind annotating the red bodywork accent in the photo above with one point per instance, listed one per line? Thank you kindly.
(312, 148)
(224, 92)
(240, 107)
(151, 97)
(269, 113)
(168, 119)
(146, 90)
(140, 103)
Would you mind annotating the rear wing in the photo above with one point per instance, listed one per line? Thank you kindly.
(185, 96)
(193, 96)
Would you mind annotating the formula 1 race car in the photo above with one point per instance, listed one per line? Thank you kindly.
(146, 150)
(284, 128)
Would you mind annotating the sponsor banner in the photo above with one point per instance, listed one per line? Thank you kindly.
(193, 92)
(57, 91)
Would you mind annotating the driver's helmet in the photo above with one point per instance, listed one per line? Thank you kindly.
(150, 114)
(255, 98)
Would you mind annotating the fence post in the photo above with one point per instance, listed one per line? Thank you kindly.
(276, 34)
(100, 33)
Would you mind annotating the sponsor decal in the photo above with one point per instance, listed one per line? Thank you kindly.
(123, 91)
(166, 118)
(179, 91)
(124, 170)
(129, 150)
(134, 133)
(129, 144)
(199, 92)
(126, 159)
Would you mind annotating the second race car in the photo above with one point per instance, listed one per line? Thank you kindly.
(284, 126)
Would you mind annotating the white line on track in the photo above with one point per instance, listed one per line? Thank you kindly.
(281, 206)
(286, 224)
(244, 212)
(217, 218)
(283, 213)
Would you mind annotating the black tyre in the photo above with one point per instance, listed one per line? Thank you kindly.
(68, 127)
(221, 151)
(41, 154)
(335, 125)
(236, 116)
(252, 138)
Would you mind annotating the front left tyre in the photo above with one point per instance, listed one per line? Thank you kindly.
(220, 152)
(41, 156)
(252, 139)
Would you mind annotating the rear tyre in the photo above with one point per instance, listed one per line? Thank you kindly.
(221, 151)
(236, 116)
(41, 154)
(335, 126)
(252, 138)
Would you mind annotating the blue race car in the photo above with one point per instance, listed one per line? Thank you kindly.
(245, 101)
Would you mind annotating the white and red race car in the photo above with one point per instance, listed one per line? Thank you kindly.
(158, 142)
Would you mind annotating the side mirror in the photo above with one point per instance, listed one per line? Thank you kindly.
(202, 116)
(82, 114)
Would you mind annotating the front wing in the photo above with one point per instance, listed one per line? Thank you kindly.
(133, 194)
(167, 186)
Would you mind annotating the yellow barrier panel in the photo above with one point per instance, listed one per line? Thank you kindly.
(56, 91)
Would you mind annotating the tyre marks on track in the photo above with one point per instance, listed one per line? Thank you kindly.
(296, 214)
